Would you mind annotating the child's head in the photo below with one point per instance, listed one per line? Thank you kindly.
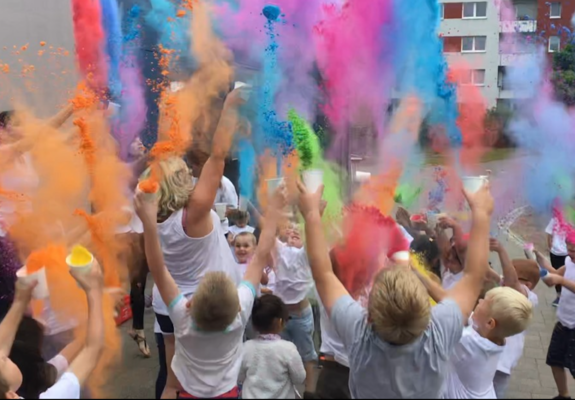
(244, 246)
(399, 308)
(527, 272)
(215, 304)
(454, 260)
(426, 247)
(269, 314)
(242, 218)
(294, 237)
(503, 313)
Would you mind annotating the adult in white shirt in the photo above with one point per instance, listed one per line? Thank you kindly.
(191, 235)
(74, 364)
(557, 250)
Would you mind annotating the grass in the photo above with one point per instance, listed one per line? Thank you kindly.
(432, 158)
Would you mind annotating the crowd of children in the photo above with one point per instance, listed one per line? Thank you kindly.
(235, 319)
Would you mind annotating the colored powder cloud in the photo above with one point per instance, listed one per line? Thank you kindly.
(113, 32)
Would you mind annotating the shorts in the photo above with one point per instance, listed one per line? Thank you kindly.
(166, 325)
(333, 381)
(561, 352)
(299, 330)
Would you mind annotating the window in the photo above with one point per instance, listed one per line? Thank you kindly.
(554, 44)
(474, 77)
(442, 10)
(475, 10)
(555, 10)
(473, 44)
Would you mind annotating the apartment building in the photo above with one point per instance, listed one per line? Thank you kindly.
(489, 41)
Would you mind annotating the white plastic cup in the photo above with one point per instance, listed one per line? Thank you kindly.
(41, 290)
(273, 184)
(473, 183)
(361, 176)
(245, 90)
(244, 201)
(80, 268)
(221, 209)
(313, 179)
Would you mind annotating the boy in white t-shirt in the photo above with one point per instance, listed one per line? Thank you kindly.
(562, 346)
(209, 329)
(557, 251)
(73, 368)
(523, 276)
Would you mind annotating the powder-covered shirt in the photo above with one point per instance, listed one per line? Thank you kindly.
(207, 364)
(382, 370)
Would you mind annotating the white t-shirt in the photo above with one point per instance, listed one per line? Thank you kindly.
(331, 344)
(558, 246)
(67, 386)
(189, 259)
(236, 230)
(514, 345)
(207, 364)
(450, 279)
(227, 193)
(271, 369)
(472, 367)
(293, 274)
(566, 309)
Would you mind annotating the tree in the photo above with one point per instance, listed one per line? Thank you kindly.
(563, 76)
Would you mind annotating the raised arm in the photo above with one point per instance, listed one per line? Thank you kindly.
(543, 263)
(61, 117)
(467, 290)
(554, 280)
(93, 284)
(330, 288)
(267, 242)
(510, 278)
(198, 222)
(10, 323)
(147, 209)
(436, 292)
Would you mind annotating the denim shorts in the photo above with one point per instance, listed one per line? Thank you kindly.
(299, 330)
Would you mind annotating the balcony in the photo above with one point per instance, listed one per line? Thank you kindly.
(529, 26)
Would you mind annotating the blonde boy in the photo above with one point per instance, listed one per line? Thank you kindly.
(209, 329)
(503, 313)
(400, 347)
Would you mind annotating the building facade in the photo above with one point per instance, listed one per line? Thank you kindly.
(489, 40)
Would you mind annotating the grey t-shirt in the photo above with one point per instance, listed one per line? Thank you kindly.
(380, 370)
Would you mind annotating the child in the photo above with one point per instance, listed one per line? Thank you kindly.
(522, 276)
(244, 247)
(560, 354)
(209, 329)
(557, 251)
(242, 219)
(293, 284)
(73, 366)
(271, 367)
(399, 348)
(504, 313)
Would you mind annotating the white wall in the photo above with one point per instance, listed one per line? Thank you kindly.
(30, 22)
(489, 60)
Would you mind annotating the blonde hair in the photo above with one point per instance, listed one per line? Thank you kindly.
(399, 307)
(510, 309)
(215, 304)
(247, 235)
(176, 185)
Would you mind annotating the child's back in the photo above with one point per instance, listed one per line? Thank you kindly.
(271, 367)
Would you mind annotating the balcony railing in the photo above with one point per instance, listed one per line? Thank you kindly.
(518, 26)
